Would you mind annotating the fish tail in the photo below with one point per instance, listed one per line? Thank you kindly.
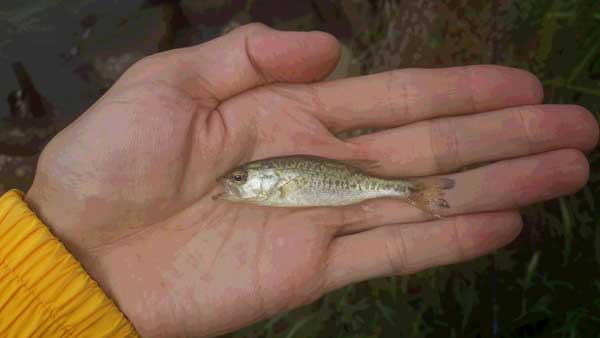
(427, 194)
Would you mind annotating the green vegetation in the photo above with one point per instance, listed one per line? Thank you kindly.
(547, 283)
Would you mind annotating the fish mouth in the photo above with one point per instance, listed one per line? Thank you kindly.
(230, 193)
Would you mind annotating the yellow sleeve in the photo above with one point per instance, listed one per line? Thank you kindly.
(44, 291)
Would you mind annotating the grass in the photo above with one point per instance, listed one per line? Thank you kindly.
(546, 284)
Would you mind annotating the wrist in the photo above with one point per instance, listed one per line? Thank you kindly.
(60, 215)
(60, 296)
(78, 232)
(55, 214)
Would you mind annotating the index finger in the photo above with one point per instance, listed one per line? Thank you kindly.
(395, 98)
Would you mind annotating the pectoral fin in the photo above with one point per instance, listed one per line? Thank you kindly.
(284, 188)
(218, 196)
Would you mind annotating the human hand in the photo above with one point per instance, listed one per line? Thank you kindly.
(127, 187)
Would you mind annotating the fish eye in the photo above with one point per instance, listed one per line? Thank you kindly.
(239, 176)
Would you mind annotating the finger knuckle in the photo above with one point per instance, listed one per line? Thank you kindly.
(445, 147)
(460, 253)
(395, 251)
(530, 131)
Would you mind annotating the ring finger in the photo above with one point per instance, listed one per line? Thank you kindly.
(504, 185)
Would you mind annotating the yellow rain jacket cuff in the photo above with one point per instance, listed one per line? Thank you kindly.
(44, 291)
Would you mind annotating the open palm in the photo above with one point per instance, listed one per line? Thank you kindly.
(128, 185)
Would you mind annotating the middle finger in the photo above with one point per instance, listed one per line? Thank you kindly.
(443, 145)
(399, 97)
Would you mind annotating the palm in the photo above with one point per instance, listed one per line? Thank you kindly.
(185, 246)
(259, 246)
(180, 264)
(214, 241)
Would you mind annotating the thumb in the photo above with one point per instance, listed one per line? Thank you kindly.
(247, 57)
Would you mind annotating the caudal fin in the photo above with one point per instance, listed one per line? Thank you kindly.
(427, 194)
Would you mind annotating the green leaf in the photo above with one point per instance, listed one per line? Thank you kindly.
(531, 269)
(591, 55)
(565, 211)
(299, 324)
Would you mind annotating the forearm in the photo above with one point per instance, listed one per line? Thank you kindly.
(44, 291)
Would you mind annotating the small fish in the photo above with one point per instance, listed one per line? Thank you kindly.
(311, 181)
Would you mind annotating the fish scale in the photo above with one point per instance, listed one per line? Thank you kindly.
(331, 180)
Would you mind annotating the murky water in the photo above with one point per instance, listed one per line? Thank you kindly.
(40, 34)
